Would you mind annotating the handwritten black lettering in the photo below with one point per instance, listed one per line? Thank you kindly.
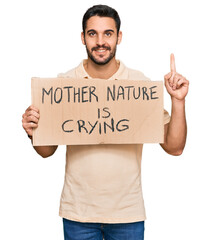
(110, 93)
(81, 124)
(121, 92)
(125, 127)
(106, 110)
(93, 126)
(134, 93)
(104, 127)
(84, 93)
(63, 126)
(92, 93)
(152, 93)
(68, 92)
(110, 126)
(76, 93)
(144, 91)
(128, 93)
(58, 97)
(50, 92)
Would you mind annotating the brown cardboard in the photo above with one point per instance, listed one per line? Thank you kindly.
(84, 111)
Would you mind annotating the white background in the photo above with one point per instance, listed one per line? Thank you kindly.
(42, 38)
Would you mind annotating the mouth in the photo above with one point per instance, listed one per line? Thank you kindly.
(101, 52)
(101, 49)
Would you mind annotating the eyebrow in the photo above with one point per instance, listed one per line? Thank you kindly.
(108, 30)
(91, 30)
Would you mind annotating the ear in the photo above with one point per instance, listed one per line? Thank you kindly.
(83, 38)
(119, 37)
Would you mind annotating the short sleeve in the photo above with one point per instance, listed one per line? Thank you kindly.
(166, 117)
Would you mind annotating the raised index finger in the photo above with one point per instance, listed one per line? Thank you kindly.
(172, 63)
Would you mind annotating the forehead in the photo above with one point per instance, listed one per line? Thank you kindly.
(100, 23)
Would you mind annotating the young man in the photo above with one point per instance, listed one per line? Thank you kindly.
(102, 195)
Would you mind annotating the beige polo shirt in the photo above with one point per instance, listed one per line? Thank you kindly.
(103, 182)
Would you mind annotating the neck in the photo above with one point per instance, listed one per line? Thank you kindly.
(101, 71)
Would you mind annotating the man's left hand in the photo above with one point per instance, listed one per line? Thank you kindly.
(176, 85)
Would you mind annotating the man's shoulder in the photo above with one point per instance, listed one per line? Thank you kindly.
(137, 75)
(77, 72)
(70, 73)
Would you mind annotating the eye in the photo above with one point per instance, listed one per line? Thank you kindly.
(108, 34)
(91, 34)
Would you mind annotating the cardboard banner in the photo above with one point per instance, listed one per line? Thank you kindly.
(85, 111)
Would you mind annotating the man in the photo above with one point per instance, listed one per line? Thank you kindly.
(102, 195)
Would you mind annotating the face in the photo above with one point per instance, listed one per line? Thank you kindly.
(101, 39)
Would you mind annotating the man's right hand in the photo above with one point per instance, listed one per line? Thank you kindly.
(30, 119)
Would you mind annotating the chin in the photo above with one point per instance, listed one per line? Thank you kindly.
(102, 61)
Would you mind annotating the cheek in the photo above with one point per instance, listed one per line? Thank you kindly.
(113, 41)
(89, 43)
(112, 44)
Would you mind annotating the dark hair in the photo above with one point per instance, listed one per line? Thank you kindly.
(101, 11)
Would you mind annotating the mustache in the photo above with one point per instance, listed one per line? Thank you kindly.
(100, 46)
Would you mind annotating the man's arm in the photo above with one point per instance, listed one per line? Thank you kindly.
(30, 121)
(175, 131)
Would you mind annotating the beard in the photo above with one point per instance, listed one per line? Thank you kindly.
(100, 62)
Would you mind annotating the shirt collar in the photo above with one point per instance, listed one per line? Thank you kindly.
(122, 72)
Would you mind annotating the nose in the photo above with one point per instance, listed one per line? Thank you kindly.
(100, 40)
